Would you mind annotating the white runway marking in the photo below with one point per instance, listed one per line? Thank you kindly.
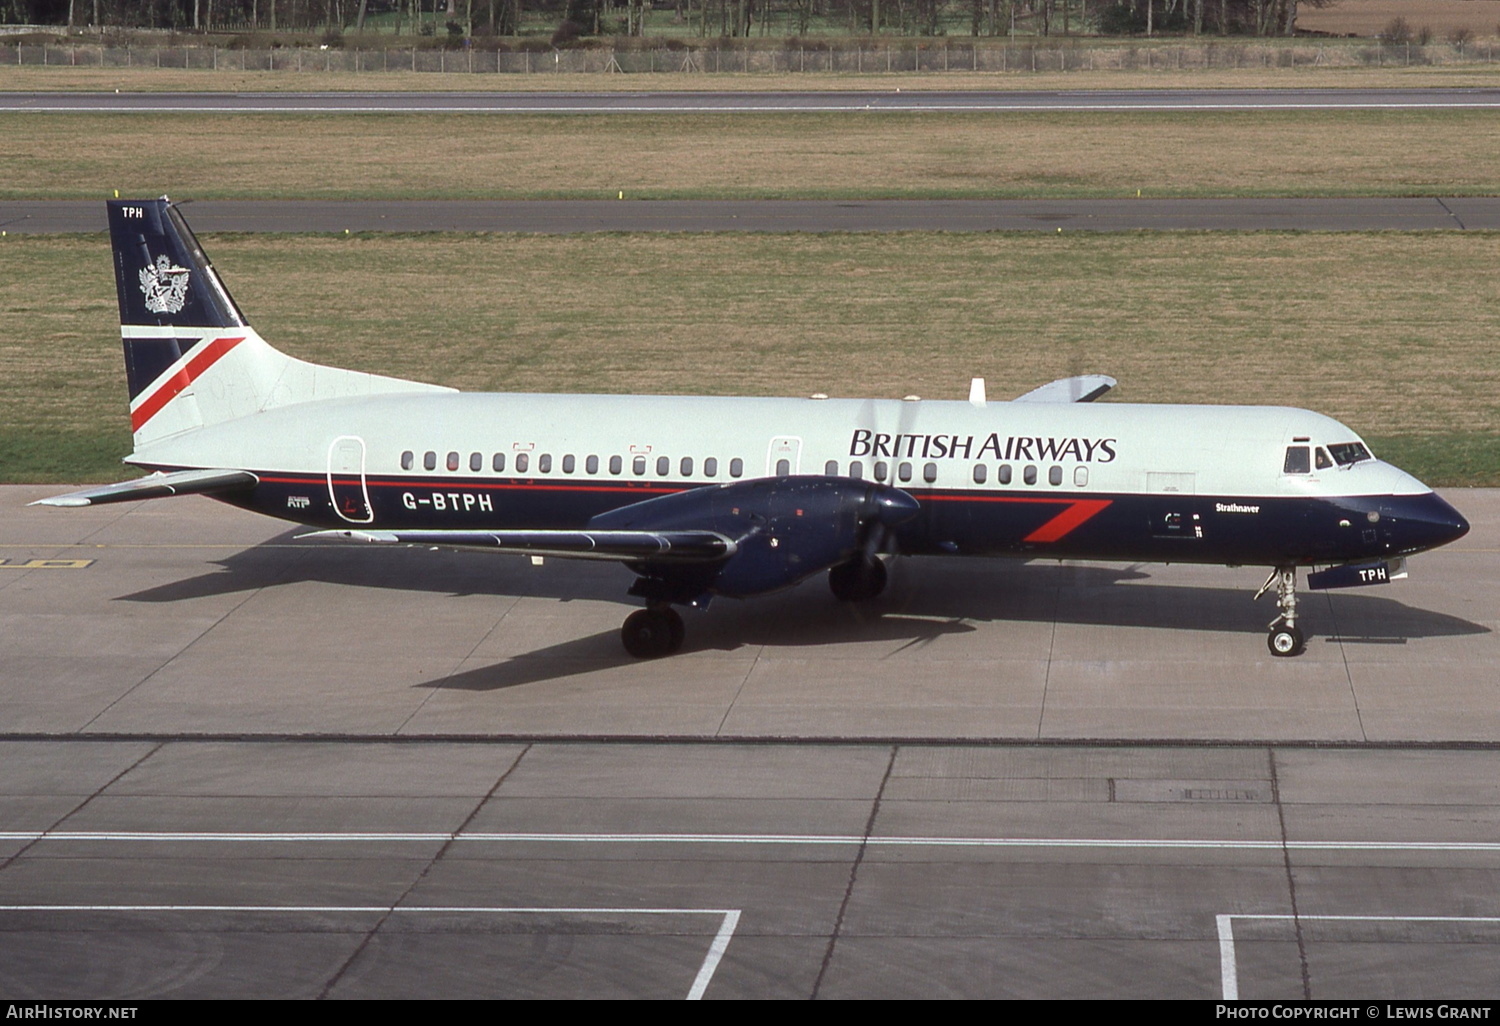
(1229, 969)
(729, 920)
(1149, 843)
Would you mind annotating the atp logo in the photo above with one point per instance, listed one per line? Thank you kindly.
(165, 286)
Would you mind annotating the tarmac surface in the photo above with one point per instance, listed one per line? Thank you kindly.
(568, 216)
(790, 101)
(236, 764)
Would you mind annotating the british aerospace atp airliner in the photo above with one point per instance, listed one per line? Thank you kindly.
(703, 497)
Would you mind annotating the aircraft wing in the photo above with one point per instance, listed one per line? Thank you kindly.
(157, 486)
(656, 546)
(1083, 389)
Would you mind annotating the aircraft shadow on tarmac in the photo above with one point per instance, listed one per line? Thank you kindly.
(927, 599)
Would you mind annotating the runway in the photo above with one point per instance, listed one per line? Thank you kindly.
(1475, 213)
(708, 102)
(236, 764)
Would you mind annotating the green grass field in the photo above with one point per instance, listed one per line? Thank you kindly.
(749, 155)
(1392, 333)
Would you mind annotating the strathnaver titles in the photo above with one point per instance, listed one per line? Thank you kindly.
(971, 447)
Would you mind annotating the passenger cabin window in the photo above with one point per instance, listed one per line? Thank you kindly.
(980, 473)
(568, 464)
(615, 463)
(1347, 453)
(903, 470)
(429, 460)
(498, 462)
(783, 468)
(408, 460)
(453, 461)
(476, 462)
(1029, 474)
(1321, 456)
(685, 467)
(882, 470)
(711, 467)
(544, 463)
(591, 464)
(1081, 477)
(1298, 460)
(929, 472)
(736, 467)
(831, 468)
(1054, 476)
(663, 466)
(522, 462)
(857, 470)
(638, 466)
(1003, 476)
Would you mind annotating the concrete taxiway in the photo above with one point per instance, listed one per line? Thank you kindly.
(233, 763)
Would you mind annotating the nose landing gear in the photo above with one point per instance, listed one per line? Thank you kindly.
(1285, 637)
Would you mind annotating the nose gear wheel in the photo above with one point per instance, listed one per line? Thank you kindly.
(1285, 637)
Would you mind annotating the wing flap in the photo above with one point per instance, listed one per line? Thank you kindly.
(1083, 389)
(156, 486)
(627, 546)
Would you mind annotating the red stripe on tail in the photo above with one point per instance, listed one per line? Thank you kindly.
(173, 386)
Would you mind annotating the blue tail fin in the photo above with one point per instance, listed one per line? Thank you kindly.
(161, 271)
(164, 280)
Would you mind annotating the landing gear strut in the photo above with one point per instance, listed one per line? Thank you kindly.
(653, 632)
(1285, 638)
(858, 580)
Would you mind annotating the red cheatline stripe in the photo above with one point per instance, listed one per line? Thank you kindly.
(174, 385)
(1063, 524)
(1060, 526)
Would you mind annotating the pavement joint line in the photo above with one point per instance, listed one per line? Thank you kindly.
(1228, 963)
(437, 856)
(434, 690)
(1337, 636)
(859, 857)
(822, 840)
(42, 835)
(729, 921)
(1291, 877)
(250, 595)
(775, 740)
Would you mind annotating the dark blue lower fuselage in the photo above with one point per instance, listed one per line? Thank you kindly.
(982, 522)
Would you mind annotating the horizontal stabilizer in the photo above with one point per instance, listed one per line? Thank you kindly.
(1083, 389)
(157, 486)
(656, 546)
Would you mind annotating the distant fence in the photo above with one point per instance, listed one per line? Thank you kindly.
(1025, 57)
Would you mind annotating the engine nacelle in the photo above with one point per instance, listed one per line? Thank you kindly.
(785, 529)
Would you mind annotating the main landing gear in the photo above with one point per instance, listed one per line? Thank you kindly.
(858, 580)
(653, 632)
(1285, 638)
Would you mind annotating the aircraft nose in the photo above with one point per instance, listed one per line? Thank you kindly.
(1427, 521)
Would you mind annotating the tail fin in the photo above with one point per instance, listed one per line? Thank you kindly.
(163, 277)
(191, 358)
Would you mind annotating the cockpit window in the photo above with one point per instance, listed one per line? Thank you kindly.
(1298, 460)
(1347, 453)
(1321, 456)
